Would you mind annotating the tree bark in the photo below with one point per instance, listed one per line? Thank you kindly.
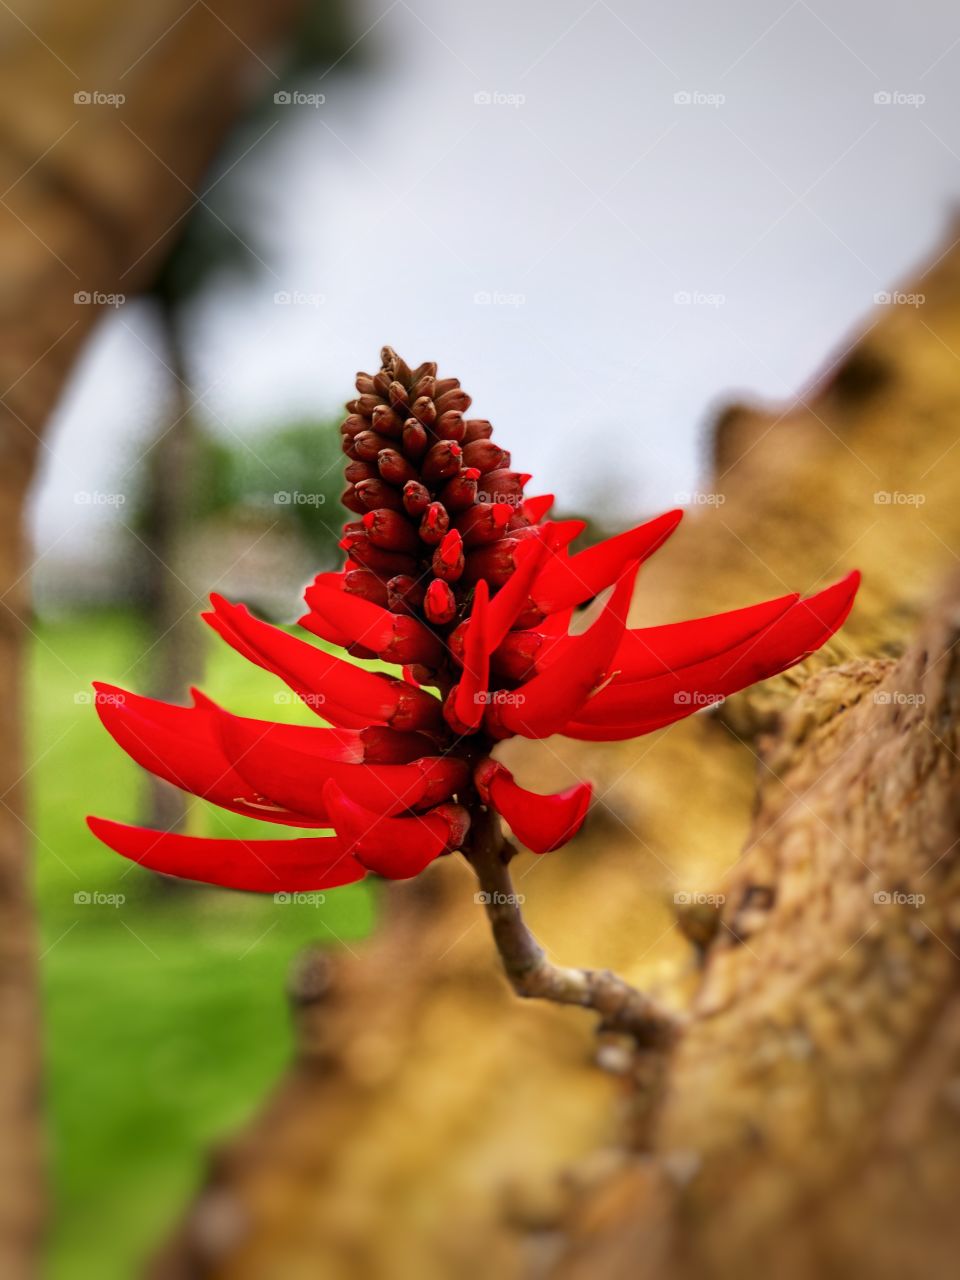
(431, 1116)
(90, 196)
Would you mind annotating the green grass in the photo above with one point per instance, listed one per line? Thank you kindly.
(165, 1016)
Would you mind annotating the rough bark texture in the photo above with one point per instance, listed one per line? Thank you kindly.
(433, 1125)
(89, 198)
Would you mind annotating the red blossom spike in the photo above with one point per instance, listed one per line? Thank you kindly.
(455, 576)
(542, 823)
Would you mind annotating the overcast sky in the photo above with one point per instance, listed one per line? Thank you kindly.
(604, 218)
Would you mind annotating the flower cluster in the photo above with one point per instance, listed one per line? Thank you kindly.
(454, 575)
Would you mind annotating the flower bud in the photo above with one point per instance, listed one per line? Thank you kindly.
(415, 439)
(391, 530)
(416, 498)
(388, 423)
(377, 493)
(485, 456)
(449, 425)
(484, 522)
(434, 524)
(448, 558)
(395, 468)
(442, 460)
(476, 429)
(439, 603)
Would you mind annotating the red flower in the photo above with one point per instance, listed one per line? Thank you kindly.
(455, 575)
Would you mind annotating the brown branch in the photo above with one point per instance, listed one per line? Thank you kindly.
(621, 1007)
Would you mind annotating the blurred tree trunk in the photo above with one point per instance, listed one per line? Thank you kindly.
(807, 1123)
(91, 195)
(176, 654)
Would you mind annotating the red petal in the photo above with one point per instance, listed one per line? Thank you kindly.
(542, 823)
(652, 651)
(284, 772)
(395, 637)
(475, 679)
(569, 581)
(337, 690)
(544, 704)
(259, 866)
(625, 709)
(396, 848)
(182, 746)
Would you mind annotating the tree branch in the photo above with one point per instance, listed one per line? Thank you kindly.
(621, 1007)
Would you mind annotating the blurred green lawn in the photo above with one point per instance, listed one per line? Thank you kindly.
(165, 1016)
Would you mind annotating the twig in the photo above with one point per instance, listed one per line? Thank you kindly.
(621, 1007)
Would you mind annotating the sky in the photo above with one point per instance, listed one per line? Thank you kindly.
(607, 219)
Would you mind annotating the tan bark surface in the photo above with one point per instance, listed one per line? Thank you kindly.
(433, 1125)
(89, 197)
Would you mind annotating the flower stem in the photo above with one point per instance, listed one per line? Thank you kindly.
(621, 1007)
